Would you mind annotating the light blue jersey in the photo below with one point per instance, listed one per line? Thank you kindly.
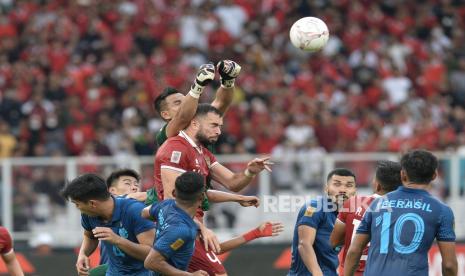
(403, 225)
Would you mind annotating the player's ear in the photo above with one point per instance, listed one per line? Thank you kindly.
(403, 176)
(201, 198)
(195, 122)
(174, 193)
(93, 203)
(112, 190)
(434, 175)
(165, 115)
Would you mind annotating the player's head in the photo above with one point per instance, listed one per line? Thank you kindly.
(418, 167)
(87, 192)
(123, 182)
(387, 176)
(189, 188)
(167, 103)
(340, 184)
(207, 124)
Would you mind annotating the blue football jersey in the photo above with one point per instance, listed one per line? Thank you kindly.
(127, 223)
(320, 215)
(175, 235)
(403, 225)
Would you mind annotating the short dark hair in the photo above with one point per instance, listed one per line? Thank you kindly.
(388, 175)
(204, 108)
(86, 187)
(189, 185)
(340, 172)
(115, 175)
(159, 104)
(419, 165)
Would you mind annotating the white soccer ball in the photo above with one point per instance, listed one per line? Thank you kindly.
(309, 34)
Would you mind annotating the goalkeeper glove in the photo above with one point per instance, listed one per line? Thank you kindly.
(229, 70)
(204, 76)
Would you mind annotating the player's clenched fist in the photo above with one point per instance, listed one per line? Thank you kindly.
(205, 75)
(247, 201)
(228, 70)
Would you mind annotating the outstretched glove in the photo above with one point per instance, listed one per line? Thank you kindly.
(204, 76)
(228, 70)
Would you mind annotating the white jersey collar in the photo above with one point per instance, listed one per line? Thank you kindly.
(188, 139)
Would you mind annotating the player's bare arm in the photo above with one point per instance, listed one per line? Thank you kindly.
(168, 178)
(228, 70)
(266, 229)
(238, 181)
(306, 239)
(354, 253)
(88, 246)
(449, 258)
(137, 250)
(189, 103)
(220, 196)
(12, 264)
(338, 235)
(156, 262)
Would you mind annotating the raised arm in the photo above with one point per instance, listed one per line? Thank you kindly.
(228, 70)
(190, 102)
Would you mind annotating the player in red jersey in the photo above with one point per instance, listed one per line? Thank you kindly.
(387, 179)
(187, 152)
(8, 254)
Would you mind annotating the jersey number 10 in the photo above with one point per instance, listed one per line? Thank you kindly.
(398, 247)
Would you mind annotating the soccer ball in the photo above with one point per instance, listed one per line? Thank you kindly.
(309, 34)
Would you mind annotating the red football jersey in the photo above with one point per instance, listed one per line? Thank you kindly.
(6, 244)
(181, 154)
(352, 215)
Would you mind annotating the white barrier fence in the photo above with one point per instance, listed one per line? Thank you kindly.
(30, 204)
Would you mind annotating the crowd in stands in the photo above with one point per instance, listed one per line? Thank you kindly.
(79, 77)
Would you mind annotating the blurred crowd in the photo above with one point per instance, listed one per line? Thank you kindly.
(78, 77)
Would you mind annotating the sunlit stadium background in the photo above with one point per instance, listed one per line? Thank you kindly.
(77, 80)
